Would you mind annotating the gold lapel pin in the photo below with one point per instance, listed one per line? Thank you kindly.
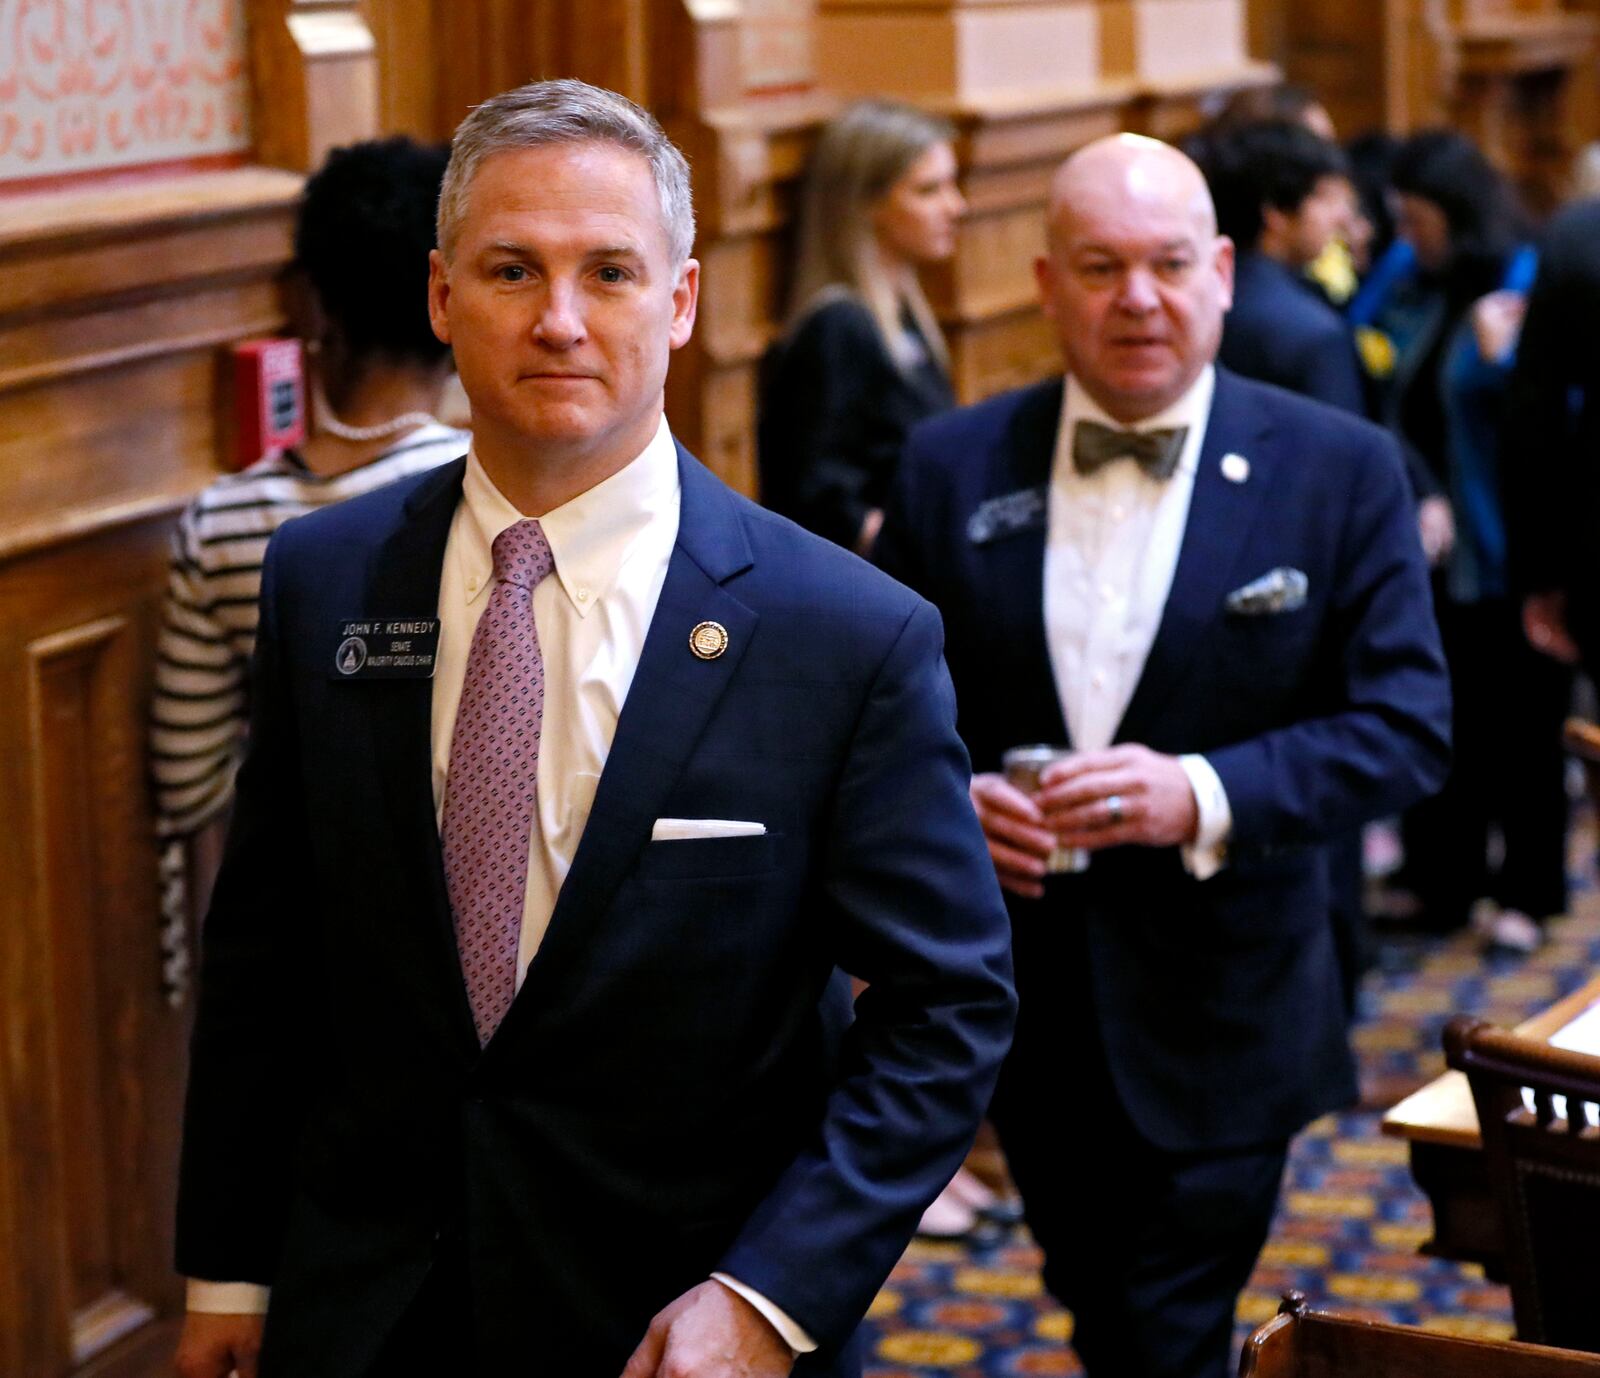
(709, 640)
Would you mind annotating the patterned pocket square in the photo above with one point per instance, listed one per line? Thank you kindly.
(1279, 590)
(1004, 515)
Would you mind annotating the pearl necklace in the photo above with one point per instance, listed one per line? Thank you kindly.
(329, 422)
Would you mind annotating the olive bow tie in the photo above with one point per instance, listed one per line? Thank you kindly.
(1156, 452)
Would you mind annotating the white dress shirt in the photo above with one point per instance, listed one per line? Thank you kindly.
(1111, 550)
(611, 547)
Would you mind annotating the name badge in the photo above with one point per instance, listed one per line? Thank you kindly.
(1024, 510)
(385, 648)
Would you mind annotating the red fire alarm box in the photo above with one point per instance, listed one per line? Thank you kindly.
(270, 398)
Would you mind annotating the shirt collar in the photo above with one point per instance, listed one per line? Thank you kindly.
(589, 535)
(1191, 411)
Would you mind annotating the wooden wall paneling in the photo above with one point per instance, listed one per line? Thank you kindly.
(315, 80)
(1520, 77)
(408, 86)
(483, 47)
(992, 272)
(715, 389)
(1525, 88)
(115, 308)
(987, 297)
(83, 247)
(607, 42)
(1003, 352)
(93, 1057)
(1267, 30)
(1345, 51)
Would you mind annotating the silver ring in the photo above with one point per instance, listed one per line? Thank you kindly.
(1114, 808)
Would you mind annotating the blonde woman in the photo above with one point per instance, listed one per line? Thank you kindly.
(861, 359)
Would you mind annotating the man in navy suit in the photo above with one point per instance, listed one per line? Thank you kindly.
(1213, 591)
(576, 784)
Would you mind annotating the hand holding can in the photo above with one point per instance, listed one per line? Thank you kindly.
(1023, 767)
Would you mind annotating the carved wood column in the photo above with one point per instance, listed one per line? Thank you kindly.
(607, 42)
(315, 83)
(477, 48)
(408, 85)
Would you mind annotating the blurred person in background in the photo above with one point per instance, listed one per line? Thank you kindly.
(1552, 436)
(1283, 195)
(1332, 270)
(861, 361)
(862, 358)
(1451, 321)
(1372, 232)
(377, 376)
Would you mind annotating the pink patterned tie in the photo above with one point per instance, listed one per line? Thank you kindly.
(489, 793)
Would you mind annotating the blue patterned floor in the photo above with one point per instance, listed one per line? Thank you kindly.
(1350, 1220)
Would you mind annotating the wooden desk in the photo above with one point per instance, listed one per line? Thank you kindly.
(1441, 1125)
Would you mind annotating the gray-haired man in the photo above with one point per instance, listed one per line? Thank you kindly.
(533, 1055)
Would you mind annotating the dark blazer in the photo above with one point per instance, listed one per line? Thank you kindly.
(1282, 330)
(835, 413)
(678, 1087)
(1217, 1001)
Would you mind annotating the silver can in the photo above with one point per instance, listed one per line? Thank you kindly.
(1023, 765)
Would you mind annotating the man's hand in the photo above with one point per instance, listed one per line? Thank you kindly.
(213, 1346)
(1122, 795)
(1020, 841)
(1544, 623)
(1436, 525)
(710, 1332)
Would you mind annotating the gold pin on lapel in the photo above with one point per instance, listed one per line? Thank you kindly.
(709, 640)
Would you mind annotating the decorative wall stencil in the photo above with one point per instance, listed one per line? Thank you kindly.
(91, 85)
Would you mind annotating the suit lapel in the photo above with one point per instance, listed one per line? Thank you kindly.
(1221, 513)
(669, 702)
(403, 581)
(1015, 562)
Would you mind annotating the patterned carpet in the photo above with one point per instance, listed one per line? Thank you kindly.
(1350, 1219)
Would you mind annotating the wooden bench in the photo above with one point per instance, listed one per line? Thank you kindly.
(1543, 1165)
(1300, 1342)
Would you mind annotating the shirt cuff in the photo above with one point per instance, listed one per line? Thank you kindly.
(228, 1298)
(776, 1316)
(1208, 853)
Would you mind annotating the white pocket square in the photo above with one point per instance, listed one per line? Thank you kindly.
(1279, 590)
(691, 829)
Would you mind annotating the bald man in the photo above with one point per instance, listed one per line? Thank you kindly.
(1212, 592)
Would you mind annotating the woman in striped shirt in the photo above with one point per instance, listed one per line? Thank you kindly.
(377, 375)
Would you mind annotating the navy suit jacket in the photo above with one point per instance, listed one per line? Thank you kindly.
(678, 1086)
(1217, 1001)
(1282, 331)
